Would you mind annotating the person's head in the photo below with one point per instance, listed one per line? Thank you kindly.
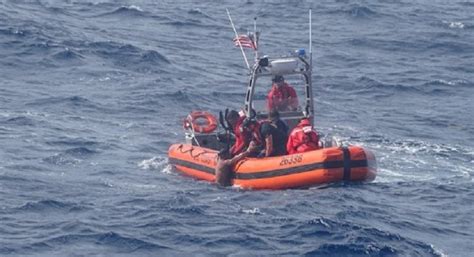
(304, 122)
(278, 80)
(249, 123)
(224, 154)
(232, 117)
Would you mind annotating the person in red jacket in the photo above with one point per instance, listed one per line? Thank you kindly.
(242, 137)
(252, 128)
(282, 96)
(303, 138)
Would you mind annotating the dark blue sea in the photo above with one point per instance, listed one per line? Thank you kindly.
(93, 92)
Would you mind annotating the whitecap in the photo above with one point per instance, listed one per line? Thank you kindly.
(451, 82)
(456, 25)
(438, 252)
(155, 163)
(134, 7)
(253, 211)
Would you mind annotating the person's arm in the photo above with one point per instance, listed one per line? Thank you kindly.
(238, 146)
(268, 145)
(289, 145)
(270, 103)
(252, 148)
(315, 138)
(241, 141)
(239, 157)
(293, 99)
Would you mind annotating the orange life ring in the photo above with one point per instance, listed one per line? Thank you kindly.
(191, 122)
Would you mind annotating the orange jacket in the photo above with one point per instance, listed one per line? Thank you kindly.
(242, 138)
(244, 135)
(303, 138)
(282, 98)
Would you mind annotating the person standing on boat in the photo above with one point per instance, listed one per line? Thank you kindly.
(274, 133)
(225, 164)
(303, 138)
(282, 96)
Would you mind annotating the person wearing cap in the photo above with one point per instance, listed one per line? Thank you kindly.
(274, 133)
(225, 164)
(303, 138)
(282, 96)
(246, 130)
(252, 130)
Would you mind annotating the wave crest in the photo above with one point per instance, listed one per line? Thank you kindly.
(130, 11)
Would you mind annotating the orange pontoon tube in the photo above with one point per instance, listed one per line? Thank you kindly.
(321, 166)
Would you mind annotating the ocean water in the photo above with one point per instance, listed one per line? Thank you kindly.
(93, 92)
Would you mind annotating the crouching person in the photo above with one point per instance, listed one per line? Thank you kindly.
(303, 138)
(225, 164)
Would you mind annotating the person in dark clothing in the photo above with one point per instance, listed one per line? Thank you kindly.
(274, 118)
(274, 134)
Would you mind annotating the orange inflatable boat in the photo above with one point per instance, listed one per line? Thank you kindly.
(197, 157)
(322, 166)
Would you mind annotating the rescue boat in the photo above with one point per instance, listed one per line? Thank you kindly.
(204, 136)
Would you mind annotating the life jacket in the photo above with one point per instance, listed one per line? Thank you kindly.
(255, 134)
(279, 95)
(303, 138)
(241, 138)
(244, 135)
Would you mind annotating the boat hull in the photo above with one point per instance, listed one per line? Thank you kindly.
(327, 165)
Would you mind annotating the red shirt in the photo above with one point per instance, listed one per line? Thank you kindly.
(282, 98)
(303, 138)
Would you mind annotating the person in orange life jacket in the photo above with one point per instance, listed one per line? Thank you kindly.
(241, 139)
(274, 132)
(303, 138)
(225, 165)
(282, 96)
(252, 131)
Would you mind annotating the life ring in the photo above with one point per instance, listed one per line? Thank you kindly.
(208, 127)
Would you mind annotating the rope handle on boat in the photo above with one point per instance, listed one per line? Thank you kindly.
(190, 151)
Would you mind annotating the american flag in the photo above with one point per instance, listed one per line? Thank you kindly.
(245, 41)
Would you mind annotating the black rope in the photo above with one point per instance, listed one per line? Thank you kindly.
(190, 151)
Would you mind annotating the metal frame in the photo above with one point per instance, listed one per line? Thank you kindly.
(259, 71)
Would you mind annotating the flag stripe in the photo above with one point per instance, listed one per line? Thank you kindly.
(245, 41)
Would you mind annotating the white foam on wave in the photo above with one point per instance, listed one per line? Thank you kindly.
(253, 211)
(418, 160)
(438, 252)
(465, 171)
(392, 176)
(27, 113)
(156, 163)
(420, 147)
(134, 7)
(452, 82)
(456, 25)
